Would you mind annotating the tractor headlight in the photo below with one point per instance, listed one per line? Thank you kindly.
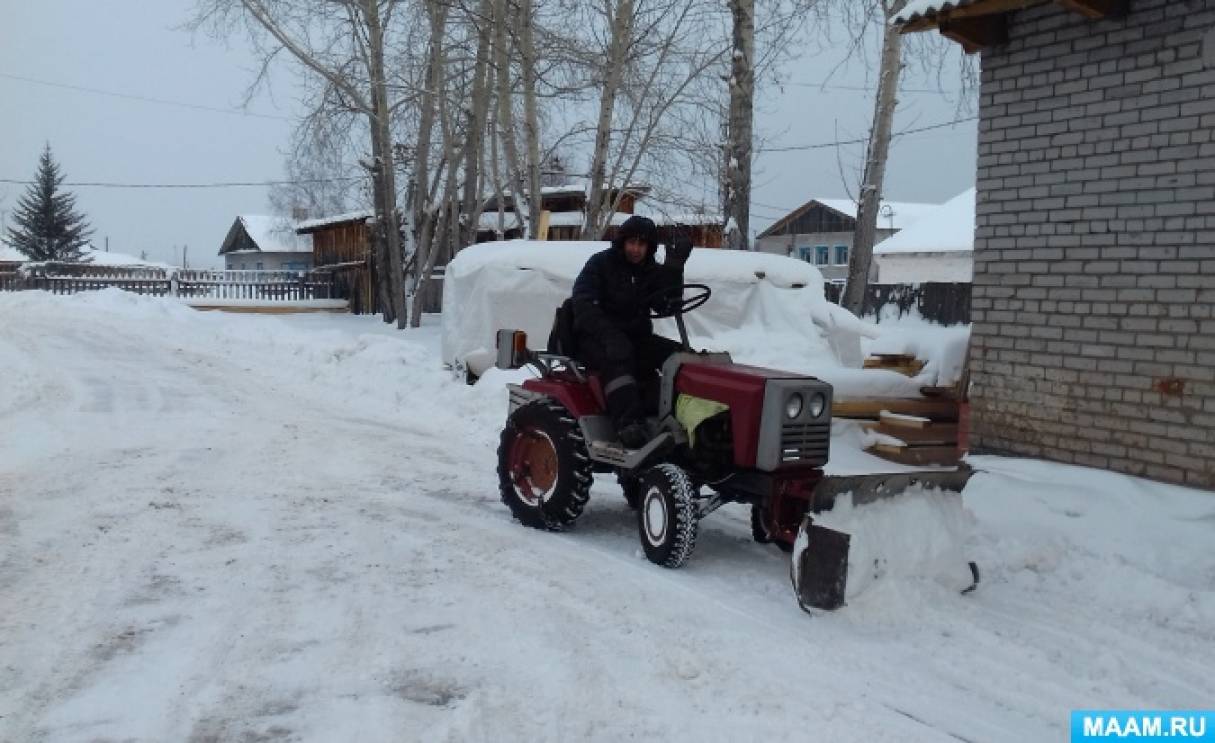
(817, 403)
(793, 406)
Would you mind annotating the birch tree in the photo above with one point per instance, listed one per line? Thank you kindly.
(742, 113)
(877, 151)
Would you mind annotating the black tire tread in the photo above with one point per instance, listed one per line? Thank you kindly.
(574, 467)
(673, 480)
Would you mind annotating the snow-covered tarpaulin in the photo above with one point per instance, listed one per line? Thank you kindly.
(763, 306)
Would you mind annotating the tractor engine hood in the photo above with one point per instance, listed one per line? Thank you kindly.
(779, 420)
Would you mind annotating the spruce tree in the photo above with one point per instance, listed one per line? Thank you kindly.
(47, 225)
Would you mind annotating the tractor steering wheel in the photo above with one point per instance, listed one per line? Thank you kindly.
(676, 303)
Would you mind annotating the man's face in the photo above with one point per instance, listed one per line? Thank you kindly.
(635, 249)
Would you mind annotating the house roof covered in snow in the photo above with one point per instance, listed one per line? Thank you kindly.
(948, 228)
(891, 215)
(9, 254)
(264, 234)
(311, 225)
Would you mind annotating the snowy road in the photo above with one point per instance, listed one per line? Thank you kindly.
(238, 528)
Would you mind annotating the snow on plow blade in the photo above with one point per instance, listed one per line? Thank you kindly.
(872, 488)
(819, 568)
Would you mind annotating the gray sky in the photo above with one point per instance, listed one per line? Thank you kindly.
(134, 48)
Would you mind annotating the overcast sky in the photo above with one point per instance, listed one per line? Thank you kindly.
(135, 49)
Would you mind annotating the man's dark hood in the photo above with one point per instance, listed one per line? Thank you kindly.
(642, 228)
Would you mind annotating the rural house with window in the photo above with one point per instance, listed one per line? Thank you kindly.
(1094, 279)
(265, 243)
(820, 232)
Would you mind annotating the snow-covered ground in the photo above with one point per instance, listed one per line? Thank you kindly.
(219, 527)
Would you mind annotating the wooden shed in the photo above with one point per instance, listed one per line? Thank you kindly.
(342, 247)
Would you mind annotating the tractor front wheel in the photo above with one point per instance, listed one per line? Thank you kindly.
(544, 473)
(667, 517)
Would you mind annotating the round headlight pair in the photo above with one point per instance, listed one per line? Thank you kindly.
(793, 406)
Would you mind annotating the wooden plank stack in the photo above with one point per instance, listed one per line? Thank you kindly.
(902, 363)
(916, 431)
(923, 441)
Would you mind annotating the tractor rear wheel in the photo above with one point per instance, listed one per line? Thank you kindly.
(667, 518)
(544, 473)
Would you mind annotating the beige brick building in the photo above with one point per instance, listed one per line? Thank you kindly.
(1094, 337)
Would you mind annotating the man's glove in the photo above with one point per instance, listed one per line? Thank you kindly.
(681, 248)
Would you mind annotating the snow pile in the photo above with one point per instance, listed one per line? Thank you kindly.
(903, 543)
(1094, 538)
(943, 348)
(765, 308)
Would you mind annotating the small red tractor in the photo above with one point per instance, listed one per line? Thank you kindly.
(722, 432)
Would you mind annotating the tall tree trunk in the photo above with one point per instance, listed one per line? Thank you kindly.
(742, 107)
(449, 227)
(424, 212)
(506, 117)
(875, 172)
(531, 125)
(613, 73)
(478, 114)
(386, 191)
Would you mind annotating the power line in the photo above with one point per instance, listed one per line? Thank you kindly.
(859, 88)
(146, 99)
(230, 184)
(257, 184)
(862, 140)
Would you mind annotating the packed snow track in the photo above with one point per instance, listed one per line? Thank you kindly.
(218, 527)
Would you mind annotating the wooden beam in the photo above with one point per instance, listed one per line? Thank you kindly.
(1096, 8)
(974, 10)
(871, 408)
(976, 34)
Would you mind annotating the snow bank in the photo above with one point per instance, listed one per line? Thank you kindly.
(765, 308)
(943, 348)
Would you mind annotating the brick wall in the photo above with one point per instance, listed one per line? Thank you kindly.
(1094, 337)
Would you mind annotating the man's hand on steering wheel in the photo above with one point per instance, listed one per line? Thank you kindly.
(669, 301)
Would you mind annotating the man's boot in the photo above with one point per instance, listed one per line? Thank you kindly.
(624, 405)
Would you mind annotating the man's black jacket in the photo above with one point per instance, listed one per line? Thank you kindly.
(610, 293)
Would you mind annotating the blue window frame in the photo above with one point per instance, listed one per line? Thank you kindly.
(821, 256)
(841, 255)
(806, 254)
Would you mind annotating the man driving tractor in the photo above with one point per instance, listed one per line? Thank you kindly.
(612, 300)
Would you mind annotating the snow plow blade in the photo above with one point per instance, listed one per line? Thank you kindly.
(819, 568)
(871, 488)
(820, 571)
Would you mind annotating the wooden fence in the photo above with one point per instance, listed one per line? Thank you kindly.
(274, 286)
(191, 284)
(944, 303)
